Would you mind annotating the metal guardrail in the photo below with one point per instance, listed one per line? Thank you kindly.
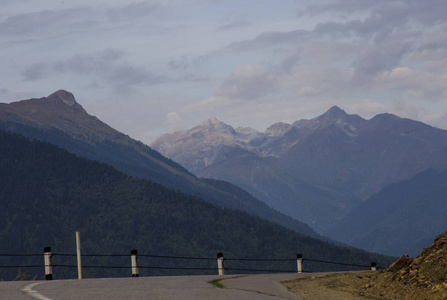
(134, 266)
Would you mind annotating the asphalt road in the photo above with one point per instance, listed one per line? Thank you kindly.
(243, 287)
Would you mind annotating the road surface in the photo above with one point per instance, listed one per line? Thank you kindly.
(243, 287)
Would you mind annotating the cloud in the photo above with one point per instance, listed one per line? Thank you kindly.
(87, 16)
(288, 64)
(247, 82)
(415, 85)
(272, 38)
(233, 25)
(431, 53)
(247, 85)
(107, 66)
(173, 120)
(35, 72)
(387, 11)
(125, 75)
(43, 23)
(134, 11)
(98, 62)
(345, 6)
(185, 62)
(360, 28)
(182, 62)
(377, 58)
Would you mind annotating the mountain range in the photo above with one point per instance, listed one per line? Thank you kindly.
(47, 194)
(323, 170)
(369, 183)
(60, 120)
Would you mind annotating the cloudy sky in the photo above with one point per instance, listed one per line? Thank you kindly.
(150, 67)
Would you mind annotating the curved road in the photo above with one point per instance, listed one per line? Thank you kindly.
(243, 287)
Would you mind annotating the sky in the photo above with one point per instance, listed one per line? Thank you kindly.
(148, 68)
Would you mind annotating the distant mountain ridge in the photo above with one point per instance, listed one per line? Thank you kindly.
(60, 120)
(400, 219)
(315, 170)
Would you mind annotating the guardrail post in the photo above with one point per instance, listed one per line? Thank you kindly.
(220, 264)
(134, 261)
(78, 253)
(48, 263)
(299, 263)
(373, 266)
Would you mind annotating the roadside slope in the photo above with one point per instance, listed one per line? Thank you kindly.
(423, 277)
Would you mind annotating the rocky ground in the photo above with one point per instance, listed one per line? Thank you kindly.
(423, 277)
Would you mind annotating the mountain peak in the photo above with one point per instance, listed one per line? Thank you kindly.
(210, 121)
(63, 96)
(277, 128)
(337, 115)
(215, 125)
(336, 112)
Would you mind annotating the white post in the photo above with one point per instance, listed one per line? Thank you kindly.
(373, 266)
(48, 264)
(299, 263)
(134, 261)
(220, 264)
(78, 252)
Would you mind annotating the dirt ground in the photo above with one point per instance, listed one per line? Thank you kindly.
(359, 285)
(343, 286)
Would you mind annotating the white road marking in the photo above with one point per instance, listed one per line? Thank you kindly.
(28, 290)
